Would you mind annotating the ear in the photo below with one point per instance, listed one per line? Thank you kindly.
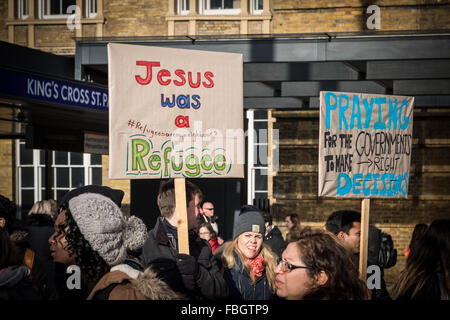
(341, 235)
(2, 222)
(321, 278)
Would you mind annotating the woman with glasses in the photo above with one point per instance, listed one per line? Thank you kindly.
(248, 264)
(318, 267)
(206, 232)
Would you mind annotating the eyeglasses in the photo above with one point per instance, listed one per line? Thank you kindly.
(287, 267)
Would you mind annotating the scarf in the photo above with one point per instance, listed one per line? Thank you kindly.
(257, 264)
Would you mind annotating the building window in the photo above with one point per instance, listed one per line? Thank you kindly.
(91, 8)
(55, 9)
(257, 173)
(183, 7)
(70, 170)
(221, 6)
(22, 9)
(256, 6)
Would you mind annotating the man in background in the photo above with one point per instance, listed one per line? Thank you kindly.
(273, 237)
(207, 215)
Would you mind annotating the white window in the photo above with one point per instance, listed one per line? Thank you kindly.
(257, 173)
(220, 6)
(70, 170)
(55, 9)
(183, 7)
(91, 8)
(22, 9)
(256, 6)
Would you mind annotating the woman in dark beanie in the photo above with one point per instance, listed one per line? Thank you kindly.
(249, 264)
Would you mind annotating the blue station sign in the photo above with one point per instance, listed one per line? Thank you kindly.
(28, 86)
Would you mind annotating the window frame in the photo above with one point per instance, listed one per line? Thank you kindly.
(204, 9)
(91, 4)
(254, 6)
(39, 179)
(253, 152)
(22, 7)
(43, 15)
(181, 7)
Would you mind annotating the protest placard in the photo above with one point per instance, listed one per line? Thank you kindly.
(365, 145)
(174, 113)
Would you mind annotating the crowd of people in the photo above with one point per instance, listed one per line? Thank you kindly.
(118, 258)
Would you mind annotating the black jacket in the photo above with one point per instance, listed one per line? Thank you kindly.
(40, 228)
(16, 284)
(160, 254)
(373, 249)
(274, 239)
(38, 273)
(239, 283)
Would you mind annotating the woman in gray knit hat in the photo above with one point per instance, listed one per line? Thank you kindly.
(92, 233)
(249, 265)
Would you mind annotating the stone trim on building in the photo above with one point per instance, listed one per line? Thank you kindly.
(32, 21)
(194, 17)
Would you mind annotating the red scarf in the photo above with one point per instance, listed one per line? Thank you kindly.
(257, 264)
(214, 244)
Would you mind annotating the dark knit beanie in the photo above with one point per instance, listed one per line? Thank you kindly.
(115, 195)
(250, 219)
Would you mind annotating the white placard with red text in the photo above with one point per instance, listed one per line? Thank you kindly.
(174, 113)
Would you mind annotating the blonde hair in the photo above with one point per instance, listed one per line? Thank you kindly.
(43, 207)
(228, 260)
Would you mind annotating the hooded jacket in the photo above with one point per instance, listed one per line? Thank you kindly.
(16, 284)
(39, 276)
(121, 284)
(40, 228)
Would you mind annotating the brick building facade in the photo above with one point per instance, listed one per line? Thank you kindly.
(294, 187)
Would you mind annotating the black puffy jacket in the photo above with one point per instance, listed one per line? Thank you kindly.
(160, 254)
(274, 239)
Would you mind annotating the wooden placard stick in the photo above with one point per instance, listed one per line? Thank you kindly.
(182, 222)
(365, 210)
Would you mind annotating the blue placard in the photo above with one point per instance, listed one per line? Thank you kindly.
(45, 89)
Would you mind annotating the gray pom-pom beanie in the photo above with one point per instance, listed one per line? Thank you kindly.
(249, 221)
(103, 225)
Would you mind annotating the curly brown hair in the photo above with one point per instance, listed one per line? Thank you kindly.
(320, 250)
